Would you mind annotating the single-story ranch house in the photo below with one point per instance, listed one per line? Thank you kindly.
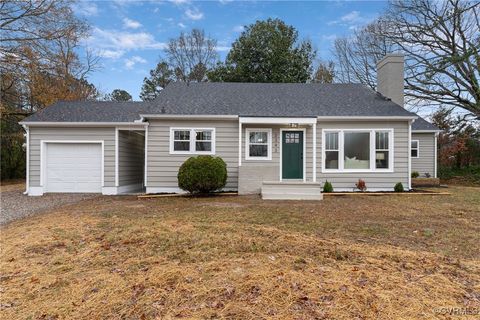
(281, 140)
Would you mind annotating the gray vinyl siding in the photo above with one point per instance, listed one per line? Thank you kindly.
(130, 157)
(162, 167)
(426, 160)
(377, 180)
(75, 134)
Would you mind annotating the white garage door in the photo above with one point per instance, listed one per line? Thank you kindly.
(73, 167)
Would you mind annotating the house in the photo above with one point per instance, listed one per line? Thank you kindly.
(281, 140)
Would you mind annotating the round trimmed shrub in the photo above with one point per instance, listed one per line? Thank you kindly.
(415, 174)
(327, 187)
(399, 187)
(202, 174)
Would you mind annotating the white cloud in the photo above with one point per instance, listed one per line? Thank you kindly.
(194, 14)
(181, 25)
(225, 1)
(88, 8)
(223, 48)
(179, 2)
(113, 44)
(132, 24)
(111, 54)
(352, 20)
(238, 28)
(351, 17)
(130, 63)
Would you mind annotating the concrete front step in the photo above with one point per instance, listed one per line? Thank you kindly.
(294, 190)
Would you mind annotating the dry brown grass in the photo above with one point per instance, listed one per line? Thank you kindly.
(244, 258)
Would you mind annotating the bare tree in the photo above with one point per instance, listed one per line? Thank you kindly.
(356, 57)
(325, 72)
(191, 55)
(39, 51)
(441, 43)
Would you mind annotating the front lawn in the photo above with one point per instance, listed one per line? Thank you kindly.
(352, 257)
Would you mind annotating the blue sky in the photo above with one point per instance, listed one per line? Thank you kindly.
(130, 35)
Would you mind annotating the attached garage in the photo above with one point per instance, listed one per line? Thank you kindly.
(72, 166)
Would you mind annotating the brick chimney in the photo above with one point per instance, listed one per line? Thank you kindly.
(390, 77)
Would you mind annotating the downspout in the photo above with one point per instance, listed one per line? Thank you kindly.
(410, 154)
(27, 164)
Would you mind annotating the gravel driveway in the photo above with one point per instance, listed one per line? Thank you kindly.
(16, 205)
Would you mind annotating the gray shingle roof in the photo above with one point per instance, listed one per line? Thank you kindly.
(90, 111)
(274, 99)
(421, 124)
(243, 99)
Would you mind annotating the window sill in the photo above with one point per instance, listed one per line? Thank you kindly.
(191, 153)
(357, 171)
(258, 158)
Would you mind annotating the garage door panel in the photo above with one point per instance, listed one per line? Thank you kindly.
(74, 167)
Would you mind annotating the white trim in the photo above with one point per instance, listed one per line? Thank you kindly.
(276, 120)
(27, 166)
(129, 188)
(409, 155)
(239, 143)
(418, 148)
(192, 140)
(188, 116)
(164, 190)
(35, 191)
(314, 141)
(43, 162)
(304, 153)
(81, 124)
(116, 157)
(435, 163)
(151, 190)
(133, 128)
(426, 131)
(109, 191)
(358, 191)
(347, 118)
(146, 158)
(269, 143)
(341, 146)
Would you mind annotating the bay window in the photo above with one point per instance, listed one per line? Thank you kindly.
(192, 141)
(258, 144)
(358, 150)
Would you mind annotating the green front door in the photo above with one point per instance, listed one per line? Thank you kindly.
(292, 154)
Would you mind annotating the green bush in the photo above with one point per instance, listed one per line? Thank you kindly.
(327, 187)
(415, 174)
(399, 187)
(471, 173)
(202, 174)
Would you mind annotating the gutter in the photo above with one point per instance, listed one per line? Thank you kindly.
(352, 118)
(81, 124)
(187, 116)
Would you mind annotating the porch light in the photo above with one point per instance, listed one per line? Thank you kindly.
(293, 125)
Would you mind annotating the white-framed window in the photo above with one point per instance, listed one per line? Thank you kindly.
(415, 148)
(382, 149)
(192, 140)
(357, 150)
(258, 144)
(331, 150)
